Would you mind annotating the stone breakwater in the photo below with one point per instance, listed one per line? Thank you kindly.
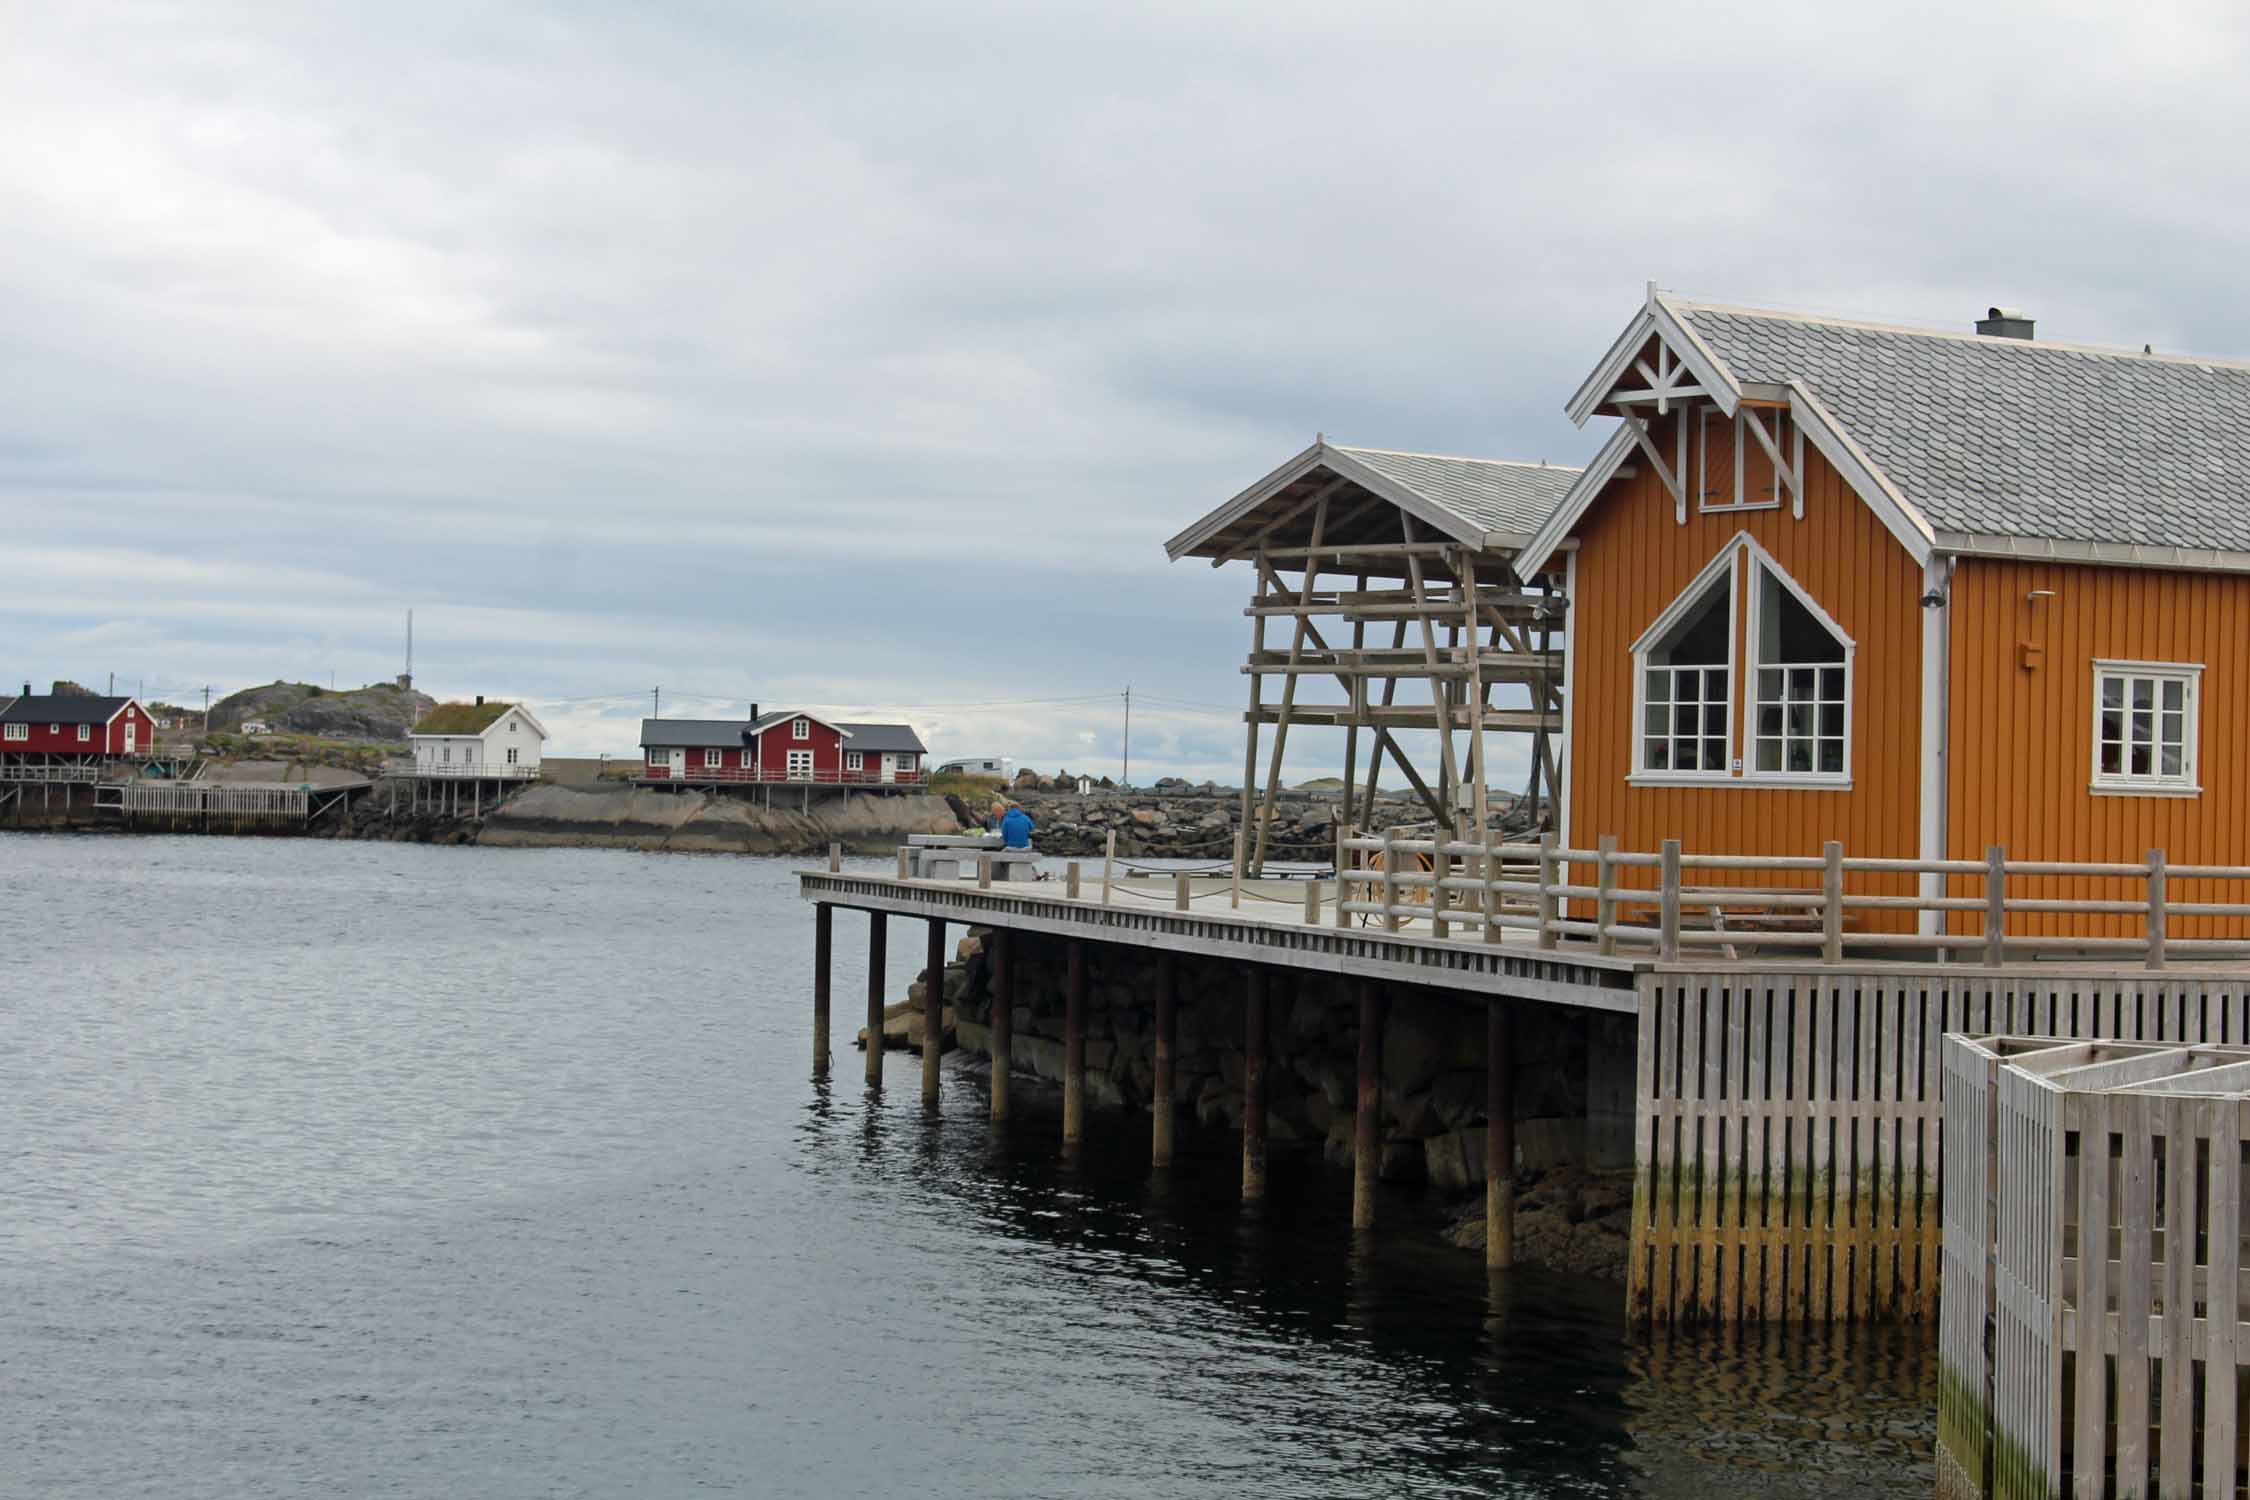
(1190, 826)
(1574, 1083)
(637, 818)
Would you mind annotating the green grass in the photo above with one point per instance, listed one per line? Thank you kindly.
(974, 791)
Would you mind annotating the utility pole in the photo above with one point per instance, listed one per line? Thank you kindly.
(1125, 774)
(410, 649)
(207, 708)
(111, 690)
(656, 703)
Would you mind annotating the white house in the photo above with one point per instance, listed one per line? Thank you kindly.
(493, 741)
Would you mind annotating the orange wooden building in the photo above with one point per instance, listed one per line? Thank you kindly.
(1922, 592)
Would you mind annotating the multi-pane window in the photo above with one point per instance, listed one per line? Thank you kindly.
(511, 755)
(19, 731)
(657, 756)
(1686, 692)
(1802, 686)
(800, 765)
(855, 760)
(85, 733)
(1794, 682)
(713, 759)
(2145, 726)
(801, 730)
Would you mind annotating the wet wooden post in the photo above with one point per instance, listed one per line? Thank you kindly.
(1367, 1145)
(1499, 1133)
(1668, 904)
(933, 1011)
(1254, 1086)
(1003, 1027)
(2156, 913)
(1160, 1087)
(824, 931)
(878, 938)
(1074, 1047)
(1995, 905)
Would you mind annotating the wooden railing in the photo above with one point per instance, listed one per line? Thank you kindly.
(757, 777)
(472, 771)
(1485, 891)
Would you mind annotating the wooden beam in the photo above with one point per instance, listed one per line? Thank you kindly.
(1408, 716)
(1288, 693)
(1250, 543)
(1448, 772)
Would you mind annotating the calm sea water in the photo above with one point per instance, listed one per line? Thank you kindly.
(358, 1169)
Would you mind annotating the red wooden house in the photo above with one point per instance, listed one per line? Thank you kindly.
(783, 747)
(49, 726)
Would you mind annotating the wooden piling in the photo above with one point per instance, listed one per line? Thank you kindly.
(1003, 1028)
(1254, 1086)
(824, 931)
(1499, 1133)
(1367, 1144)
(1074, 1046)
(933, 1011)
(878, 938)
(1160, 1087)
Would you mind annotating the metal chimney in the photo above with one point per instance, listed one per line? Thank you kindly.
(2005, 323)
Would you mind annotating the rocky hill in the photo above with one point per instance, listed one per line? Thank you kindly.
(381, 712)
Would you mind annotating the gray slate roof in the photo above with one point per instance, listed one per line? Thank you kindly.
(1496, 494)
(2014, 438)
(693, 734)
(879, 738)
(70, 708)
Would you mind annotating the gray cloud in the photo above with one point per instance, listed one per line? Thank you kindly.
(864, 355)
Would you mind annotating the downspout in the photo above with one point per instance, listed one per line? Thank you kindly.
(1937, 730)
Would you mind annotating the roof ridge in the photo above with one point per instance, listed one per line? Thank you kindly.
(1459, 458)
(1916, 330)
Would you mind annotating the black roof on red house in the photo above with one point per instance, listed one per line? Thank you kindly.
(69, 708)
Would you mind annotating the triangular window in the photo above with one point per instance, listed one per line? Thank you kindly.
(1684, 684)
(1803, 673)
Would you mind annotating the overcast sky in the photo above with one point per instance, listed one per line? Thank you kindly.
(862, 357)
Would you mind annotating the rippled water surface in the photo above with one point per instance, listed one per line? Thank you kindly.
(349, 1169)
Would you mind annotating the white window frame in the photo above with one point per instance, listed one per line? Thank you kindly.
(713, 758)
(855, 760)
(1759, 557)
(85, 733)
(801, 729)
(658, 755)
(799, 766)
(18, 731)
(2126, 784)
(1741, 722)
(1687, 599)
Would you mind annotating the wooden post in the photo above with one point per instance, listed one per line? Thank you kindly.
(1180, 893)
(1002, 1022)
(1160, 1088)
(1549, 878)
(1832, 903)
(878, 938)
(1254, 1086)
(835, 859)
(1605, 908)
(1995, 905)
(1074, 1046)
(1070, 880)
(902, 854)
(824, 931)
(1367, 1145)
(1343, 863)
(984, 872)
(1490, 865)
(1668, 909)
(1236, 903)
(1441, 865)
(1109, 864)
(1312, 903)
(1499, 1133)
(933, 1011)
(1390, 883)
(2156, 913)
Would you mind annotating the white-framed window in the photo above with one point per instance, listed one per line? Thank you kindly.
(658, 756)
(1740, 475)
(713, 759)
(855, 760)
(1684, 669)
(2146, 727)
(511, 755)
(446, 754)
(801, 729)
(1792, 694)
(514, 727)
(800, 765)
(85, 733)
(18, 731)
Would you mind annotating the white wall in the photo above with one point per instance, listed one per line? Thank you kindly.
(512, 731)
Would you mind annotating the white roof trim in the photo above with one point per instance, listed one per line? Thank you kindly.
(1873, 486)
(791, 717)
(1827, 621)
(2095, 554)
(1658, 320)
(1544, 543)
(1721, 563)
(1196, 534)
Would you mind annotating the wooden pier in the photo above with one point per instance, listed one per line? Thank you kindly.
(1787, 1135)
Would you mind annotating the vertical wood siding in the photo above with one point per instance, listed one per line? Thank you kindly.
(2022, 738)
(1634, 559)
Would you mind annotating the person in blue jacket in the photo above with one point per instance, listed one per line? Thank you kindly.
(1015, 828)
